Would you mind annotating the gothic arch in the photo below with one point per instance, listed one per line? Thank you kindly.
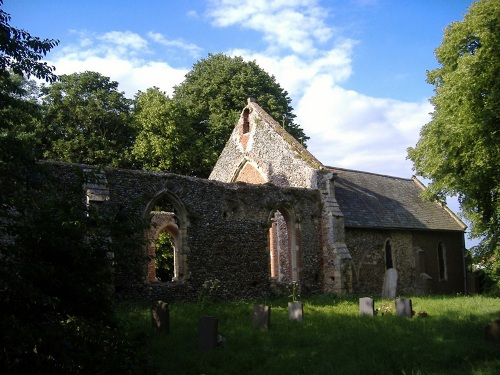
(166, 213)
(284, 248)
(250, 172)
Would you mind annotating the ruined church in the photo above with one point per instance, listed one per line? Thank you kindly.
(271, 214)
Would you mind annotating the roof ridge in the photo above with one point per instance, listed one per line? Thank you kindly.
(372, 173)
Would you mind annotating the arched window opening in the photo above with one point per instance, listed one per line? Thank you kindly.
(164, 257)
(283, 253)
(246, 121)
(441, 253)
(167, 239)
(388, 255)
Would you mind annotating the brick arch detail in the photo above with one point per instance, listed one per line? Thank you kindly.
(248, 171)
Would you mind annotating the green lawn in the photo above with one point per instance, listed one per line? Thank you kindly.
(332, 338)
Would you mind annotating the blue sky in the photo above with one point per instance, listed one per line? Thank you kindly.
(355, 69)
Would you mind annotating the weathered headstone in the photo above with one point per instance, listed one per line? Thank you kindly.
(492, 331)
(390, 284)
(366, 306)
(261, 317)
(295, 311)
(208, 333)
(160, 317)
(403, 307)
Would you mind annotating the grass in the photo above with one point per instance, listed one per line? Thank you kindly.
(332, 338)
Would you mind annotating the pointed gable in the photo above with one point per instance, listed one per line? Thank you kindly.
(260, 150)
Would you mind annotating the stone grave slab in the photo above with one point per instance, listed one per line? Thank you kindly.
(295, 311)
(366, 306)
(261, 317)
(390, 284)
(404, 307)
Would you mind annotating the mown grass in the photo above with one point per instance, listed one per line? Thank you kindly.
(332, 338)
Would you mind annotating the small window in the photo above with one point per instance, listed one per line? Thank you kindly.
(441, 253)
(388, 255)
(246, 122)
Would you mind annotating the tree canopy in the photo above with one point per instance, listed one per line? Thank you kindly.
(87, 120)
(459, 149)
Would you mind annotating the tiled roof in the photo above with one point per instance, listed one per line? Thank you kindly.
(370, 200)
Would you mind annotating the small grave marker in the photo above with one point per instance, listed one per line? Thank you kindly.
(160, 317)
(366, 306)
(295, 311)
(261, 317)
(403, 307)
(208, 333)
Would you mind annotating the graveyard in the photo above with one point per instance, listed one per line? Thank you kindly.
(344, 335)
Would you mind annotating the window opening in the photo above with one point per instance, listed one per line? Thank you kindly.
(442, 261)
(164, 257)
(388, 255)
(283, 257)
(246, 122)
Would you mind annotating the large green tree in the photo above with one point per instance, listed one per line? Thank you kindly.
(211, 98)
(162, 143)
(459, 149)
(87, 120)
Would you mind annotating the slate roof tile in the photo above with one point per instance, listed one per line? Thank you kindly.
(370, 200)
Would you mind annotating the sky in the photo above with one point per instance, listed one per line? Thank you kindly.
(354, 69)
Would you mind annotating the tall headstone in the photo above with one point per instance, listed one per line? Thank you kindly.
(390, 284)
(261, 317)
(160, 317)
(404, 307)
(208, 333)
(366, 306)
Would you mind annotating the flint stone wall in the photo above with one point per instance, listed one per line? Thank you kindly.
(227, 230)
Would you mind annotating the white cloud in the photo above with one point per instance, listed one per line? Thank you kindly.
(192, 49)
(352, 130)
(125, 57)
(294, 24)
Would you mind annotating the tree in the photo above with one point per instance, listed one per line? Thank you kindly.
(459, 149)
(87, 120)
(56, 313)
(212, 97)
(162, 143)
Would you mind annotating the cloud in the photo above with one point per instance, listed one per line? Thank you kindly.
(192, 49)
(297, 25)
(356, 131)
(125, 57)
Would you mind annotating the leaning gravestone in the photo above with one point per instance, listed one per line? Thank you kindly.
(366, 306)
(390, 284)
(261, 317)
(404, 308)
(208, 331)
(160, 317)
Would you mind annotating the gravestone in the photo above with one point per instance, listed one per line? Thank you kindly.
(404, 308)
(366, 306)
(208, 333)
(160, 317)
(295, 311)
(261, 317)
(390, 284)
